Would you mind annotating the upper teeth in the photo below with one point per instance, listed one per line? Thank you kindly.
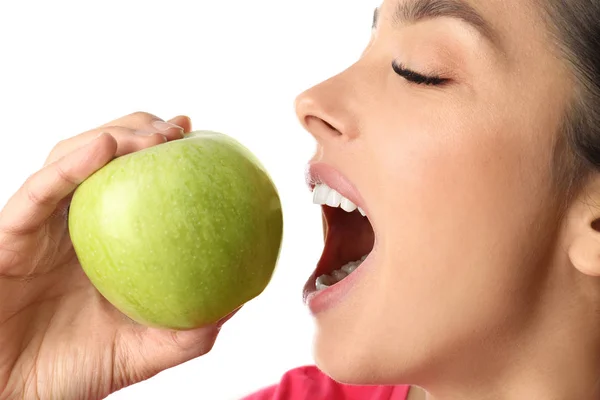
(323, 194)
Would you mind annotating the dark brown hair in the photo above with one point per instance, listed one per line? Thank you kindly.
(575, 26)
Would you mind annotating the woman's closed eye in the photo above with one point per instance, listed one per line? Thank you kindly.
(415, 77)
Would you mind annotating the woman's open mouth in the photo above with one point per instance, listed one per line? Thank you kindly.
(349, 235)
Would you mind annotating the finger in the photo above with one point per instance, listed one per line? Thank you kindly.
(148, 122)
(157, 350)
(133, 120)
(183, 121)
(163, 349)
(144, 124)
(39, 196)
(127, 139)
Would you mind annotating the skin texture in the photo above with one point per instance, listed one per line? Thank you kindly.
(480, 289)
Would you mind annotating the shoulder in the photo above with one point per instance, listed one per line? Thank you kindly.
(309, 382)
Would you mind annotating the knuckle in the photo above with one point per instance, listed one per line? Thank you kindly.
(142, 116)
(42, 195)
(65, 175)
(35, 196)
(202, 343)
(206, 343)
(58, 146)
(115, 129)
(206, 347)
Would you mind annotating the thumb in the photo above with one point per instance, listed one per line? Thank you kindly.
(170, 348)
(154, 350)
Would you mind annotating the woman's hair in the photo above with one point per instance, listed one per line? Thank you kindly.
(575, 26)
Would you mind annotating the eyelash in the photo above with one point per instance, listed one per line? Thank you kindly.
(408, 74)
(416, 77)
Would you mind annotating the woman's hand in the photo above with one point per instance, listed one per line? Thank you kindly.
(59, 339)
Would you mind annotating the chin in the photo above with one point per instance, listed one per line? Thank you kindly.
(357, 363)
(345, 372)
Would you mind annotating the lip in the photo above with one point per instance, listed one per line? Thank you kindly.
(322, 300)
(323, 173)
(319, 301)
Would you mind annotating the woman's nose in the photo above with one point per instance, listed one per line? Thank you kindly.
(324, 111)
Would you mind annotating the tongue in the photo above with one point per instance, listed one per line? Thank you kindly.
(348, 237)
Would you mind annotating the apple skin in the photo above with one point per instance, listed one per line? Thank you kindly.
(180, 234)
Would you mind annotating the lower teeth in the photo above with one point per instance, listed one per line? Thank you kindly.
(324, 281)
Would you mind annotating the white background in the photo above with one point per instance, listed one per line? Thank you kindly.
(233, 66)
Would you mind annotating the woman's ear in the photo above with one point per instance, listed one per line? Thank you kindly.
(584, 254)
(584, 218)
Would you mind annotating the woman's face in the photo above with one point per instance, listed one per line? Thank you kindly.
(456, 178)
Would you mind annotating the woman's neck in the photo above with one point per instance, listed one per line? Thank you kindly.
(552, 353)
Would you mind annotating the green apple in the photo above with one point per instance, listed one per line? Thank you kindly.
(180, 234)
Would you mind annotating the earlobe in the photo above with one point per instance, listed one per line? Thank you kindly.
(584, 252)
(584, 220)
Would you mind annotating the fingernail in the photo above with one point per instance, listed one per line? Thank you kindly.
(148, 134)
(165, 126)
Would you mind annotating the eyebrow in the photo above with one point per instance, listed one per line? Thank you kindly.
(413, 11)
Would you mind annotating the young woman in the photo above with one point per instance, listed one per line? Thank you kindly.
(468, 133)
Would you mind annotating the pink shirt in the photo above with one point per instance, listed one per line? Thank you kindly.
(308, 383)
